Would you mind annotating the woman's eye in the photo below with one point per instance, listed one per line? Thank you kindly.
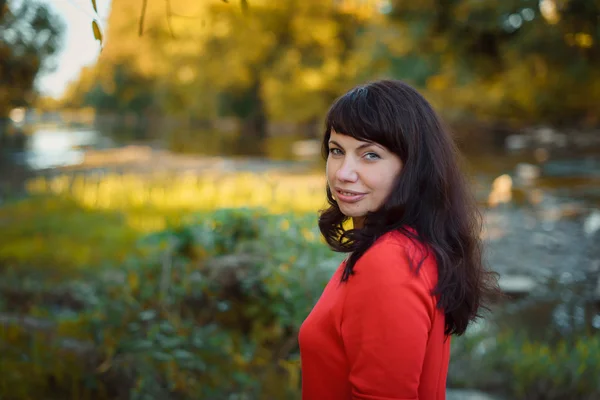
(335, 151)
(372, 156)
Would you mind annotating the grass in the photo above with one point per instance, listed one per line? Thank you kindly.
(184, 192)
(71, 222)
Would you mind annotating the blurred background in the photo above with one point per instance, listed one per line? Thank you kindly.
(160, 179)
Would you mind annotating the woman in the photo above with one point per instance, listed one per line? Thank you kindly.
(414, 274)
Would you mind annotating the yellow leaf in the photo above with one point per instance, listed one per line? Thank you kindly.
(133, 281)
(97, 32)
(94, 5)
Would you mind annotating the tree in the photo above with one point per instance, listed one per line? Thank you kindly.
(520, 61)
(287, 61)
(516, 62)
(283, 61)
(29, 37)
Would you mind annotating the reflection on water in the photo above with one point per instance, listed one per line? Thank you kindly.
(567, 177)
(47, 148)
(580, 167)
(55, 148)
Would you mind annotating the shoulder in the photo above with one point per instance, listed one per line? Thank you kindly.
(397, 256)
(395, 239)
(396, 246)
(389, 273)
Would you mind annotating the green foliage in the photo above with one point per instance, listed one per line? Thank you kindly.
(517, 62)
(210, 307)
(57, 234)
(285, 61)
(33, 366)
(510, 362)
(556, 372)
(130, 92)
(30, 37)
(210, 310)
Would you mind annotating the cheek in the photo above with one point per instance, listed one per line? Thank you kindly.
(385, 186)
(329, 171)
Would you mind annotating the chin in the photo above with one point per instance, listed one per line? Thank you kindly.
(352, 213)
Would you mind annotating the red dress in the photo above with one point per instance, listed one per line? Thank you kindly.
(378, 336)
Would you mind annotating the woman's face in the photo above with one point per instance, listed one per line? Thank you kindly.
(360, 175)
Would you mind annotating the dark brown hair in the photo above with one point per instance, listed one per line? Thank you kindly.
(431, 201)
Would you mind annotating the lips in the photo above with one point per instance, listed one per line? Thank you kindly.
(349, 196)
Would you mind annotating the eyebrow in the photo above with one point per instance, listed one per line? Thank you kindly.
(362, 146)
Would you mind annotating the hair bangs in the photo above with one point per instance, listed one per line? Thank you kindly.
(355, 114)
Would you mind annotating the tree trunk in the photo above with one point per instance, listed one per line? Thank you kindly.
(253, 135)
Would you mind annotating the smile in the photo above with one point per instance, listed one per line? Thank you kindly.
(349, 197)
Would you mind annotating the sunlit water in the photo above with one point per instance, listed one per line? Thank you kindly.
(573, 177)
(56, 148)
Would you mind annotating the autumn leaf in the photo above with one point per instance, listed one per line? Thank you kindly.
(97, 32)
(94, 5)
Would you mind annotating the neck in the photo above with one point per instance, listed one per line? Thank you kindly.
(358, 222)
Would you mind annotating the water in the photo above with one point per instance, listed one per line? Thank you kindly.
(556, 311)
(568, 177)
(57, 148)
(47, 148)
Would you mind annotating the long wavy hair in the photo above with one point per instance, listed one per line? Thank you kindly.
(431, 201)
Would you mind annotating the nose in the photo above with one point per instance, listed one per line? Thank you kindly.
(347, 171)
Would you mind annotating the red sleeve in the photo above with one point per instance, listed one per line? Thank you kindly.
(385, 324)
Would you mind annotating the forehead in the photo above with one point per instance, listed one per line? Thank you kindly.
(347, 140)
(340, 137)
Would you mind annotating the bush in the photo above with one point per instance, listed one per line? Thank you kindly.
(211, 310)
(510, 362)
